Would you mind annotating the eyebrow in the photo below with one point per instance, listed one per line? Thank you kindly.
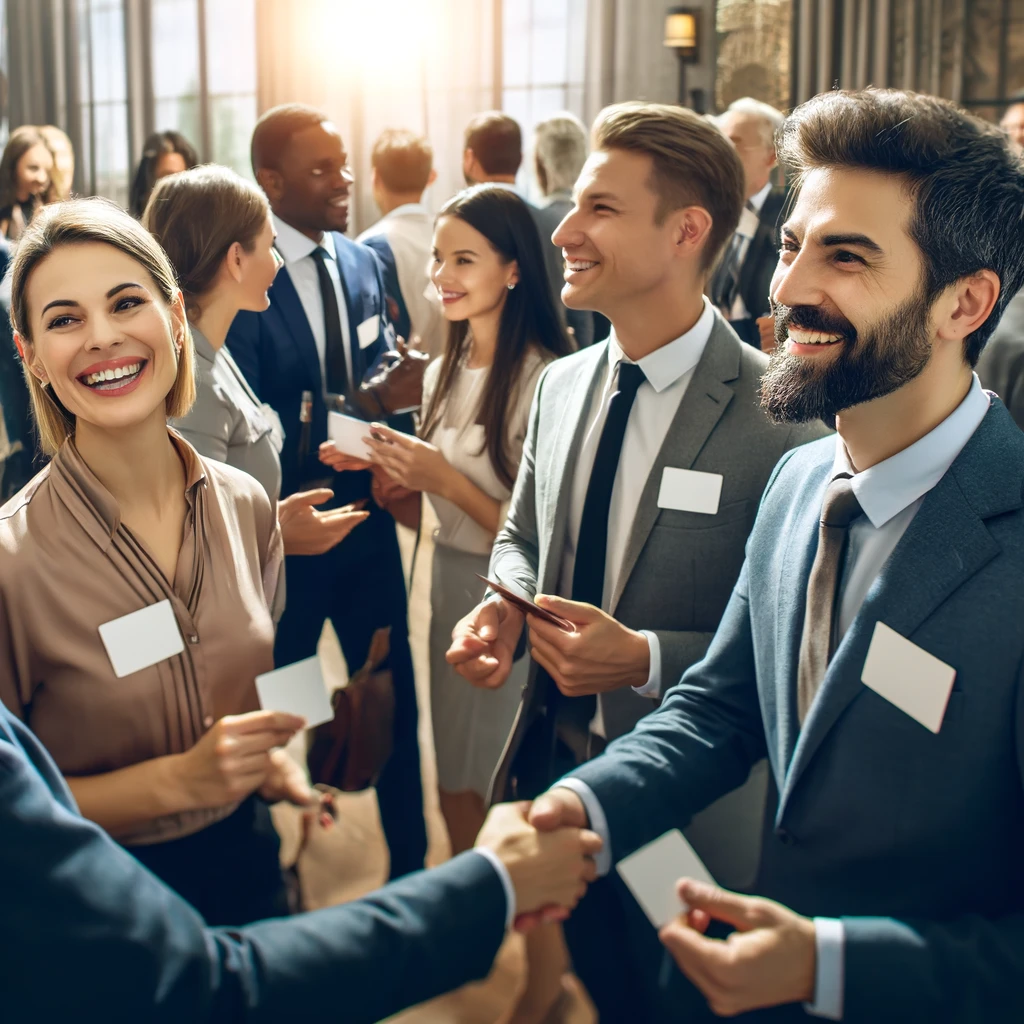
(72, 302)
(598, 197)
(464, 252)
(830, 241)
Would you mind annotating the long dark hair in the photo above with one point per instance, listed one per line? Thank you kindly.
(528, 319)
(20, 142)
(145, 174)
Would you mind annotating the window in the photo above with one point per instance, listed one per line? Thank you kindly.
(231, 80)
(176, 85)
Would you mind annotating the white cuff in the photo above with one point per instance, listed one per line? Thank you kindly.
(829, 940)
(506, 883)
(652, 688)
(598, 822)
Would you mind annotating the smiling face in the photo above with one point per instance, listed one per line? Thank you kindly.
(309, 189)
(851, 318)
(33, 172)
(469, 274)
(107, 344)
(616, 253)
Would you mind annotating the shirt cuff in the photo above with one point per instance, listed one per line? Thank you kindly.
(829, 940)
(652, 688)
(598, 822)
(506, 883)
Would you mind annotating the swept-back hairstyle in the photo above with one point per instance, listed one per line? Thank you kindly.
(155, 147)
(966, 183)
(196, 216)
(75, 222)
(559, 152)
(528, 320)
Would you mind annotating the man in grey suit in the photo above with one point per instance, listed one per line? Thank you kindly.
(643, 466)
(872, 647)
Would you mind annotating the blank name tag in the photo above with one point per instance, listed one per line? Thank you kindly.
(687, 490)
(653, 872)
(368, 331)
(141, 639)
(297, 689)
(907, 676)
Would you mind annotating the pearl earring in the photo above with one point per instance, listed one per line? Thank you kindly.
(511, 285)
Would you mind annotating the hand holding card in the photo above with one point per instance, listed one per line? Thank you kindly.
(528, 607)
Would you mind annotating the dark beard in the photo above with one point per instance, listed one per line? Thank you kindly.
(794, 390)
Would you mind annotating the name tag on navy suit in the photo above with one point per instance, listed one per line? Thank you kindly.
(368, 331)
(687, 490)
(907, 676)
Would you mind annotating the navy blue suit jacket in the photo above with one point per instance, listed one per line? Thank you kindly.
(915, 840)
(87, 933)
(276, 352)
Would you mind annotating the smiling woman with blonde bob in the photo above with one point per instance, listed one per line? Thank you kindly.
(154, 724)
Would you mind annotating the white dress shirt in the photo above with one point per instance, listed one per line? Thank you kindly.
(667, 372)
(746, 229)
(890, 493)
(296, 250)
(409, 230)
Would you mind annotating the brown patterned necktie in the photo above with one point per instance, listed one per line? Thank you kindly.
(839, 509)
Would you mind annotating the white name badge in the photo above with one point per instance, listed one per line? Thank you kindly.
(687, 490)
(141, 639)
(297, 689)
(653, 872)
(368, 331)
(347, 433)
(907, 676)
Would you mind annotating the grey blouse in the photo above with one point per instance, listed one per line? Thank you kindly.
(228, 423)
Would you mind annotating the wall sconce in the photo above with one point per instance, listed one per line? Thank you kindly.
(682, 34)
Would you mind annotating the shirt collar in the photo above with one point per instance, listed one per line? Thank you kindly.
(665, 365)
(758, 198)
(408, 210)
(892, 485)
(293, 245)
(204, 350)
(95, 508)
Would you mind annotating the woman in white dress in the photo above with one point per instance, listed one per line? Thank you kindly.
(488, 267)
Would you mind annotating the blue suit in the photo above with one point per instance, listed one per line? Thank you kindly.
(359, 585)
(915, 840)
(87, 933)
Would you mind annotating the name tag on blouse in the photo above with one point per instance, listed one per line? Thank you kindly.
(141, 639)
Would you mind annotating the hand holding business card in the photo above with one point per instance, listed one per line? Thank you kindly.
(298, 689)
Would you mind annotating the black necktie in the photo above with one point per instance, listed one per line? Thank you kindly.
(334, 340)
(592, 545)
(726, 278)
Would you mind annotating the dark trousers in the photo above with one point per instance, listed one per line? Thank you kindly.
(229, 871)
(360, 587)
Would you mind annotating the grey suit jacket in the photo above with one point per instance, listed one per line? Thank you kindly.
(679, 567)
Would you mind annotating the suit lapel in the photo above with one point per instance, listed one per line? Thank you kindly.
(285, 299)
(561, 467)
(945, 545)
(698, 414)
(348, 274)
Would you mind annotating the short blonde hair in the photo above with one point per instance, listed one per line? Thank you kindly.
(694, 163)
(75, 222)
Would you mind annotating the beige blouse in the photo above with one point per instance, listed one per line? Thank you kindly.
(461, 440)
(68, 565)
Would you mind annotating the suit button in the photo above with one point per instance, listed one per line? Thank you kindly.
(784, 837)
(193, 638)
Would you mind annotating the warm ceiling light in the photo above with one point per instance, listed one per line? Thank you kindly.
(681, 29)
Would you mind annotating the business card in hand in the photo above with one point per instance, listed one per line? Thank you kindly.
(653, 872)
(347, 433)
(297, 689)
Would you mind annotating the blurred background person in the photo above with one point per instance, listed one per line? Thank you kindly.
(326, 330)
(164, 153)
(168, 753)
(493, 152)
(63, 159)
(26, 180)
(1012, 122)
(559, 153)
(217, 231)
(740, 284)
(402, 168)
(503, 330)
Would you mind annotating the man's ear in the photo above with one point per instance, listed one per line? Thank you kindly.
(966, 305)
(692, 227)
(271, 182)
(431, 177)
(468, 159)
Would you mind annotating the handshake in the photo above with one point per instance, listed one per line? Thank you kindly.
(548, 852)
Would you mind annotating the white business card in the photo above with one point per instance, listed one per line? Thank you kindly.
(347, 433)
(908, 676)
(368, 331)
(688, 490)
(142, 638)
(653, 874)
(297, 689)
